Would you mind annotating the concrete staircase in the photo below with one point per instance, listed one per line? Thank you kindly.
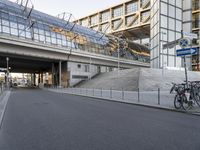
(127, 79)
(144, 78)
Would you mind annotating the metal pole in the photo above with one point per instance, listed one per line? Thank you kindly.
(60, 72)
(111, 93)
(7, 59)
(101, 92)
(138, 94)
(90, 69)
(186, 76)
(118, 59)
(158, 96)
(184, 59)
(122, 94)
(162, 56)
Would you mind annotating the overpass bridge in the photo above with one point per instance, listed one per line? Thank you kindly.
(39, 43)
(27, 49)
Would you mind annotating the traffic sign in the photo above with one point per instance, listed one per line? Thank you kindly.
(186, 51)
(190, 35)
(183, 42)
(171, 44)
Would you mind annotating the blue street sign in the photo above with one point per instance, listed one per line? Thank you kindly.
(186, 51)
(183, 42)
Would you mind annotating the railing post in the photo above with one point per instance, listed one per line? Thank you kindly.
(138, 95)
(122, 94)
(158, 96)
(110, 92)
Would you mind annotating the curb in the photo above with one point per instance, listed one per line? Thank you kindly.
(132, 103)
(3, 105)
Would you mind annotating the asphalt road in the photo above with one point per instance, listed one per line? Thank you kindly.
(41, 120)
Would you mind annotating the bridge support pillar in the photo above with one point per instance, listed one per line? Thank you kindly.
(64, 74)
(39, 78)
(42, 78)
(34, 79)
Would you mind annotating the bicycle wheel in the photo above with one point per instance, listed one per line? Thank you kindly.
(186, 104)
(197, 99)
(177, 102)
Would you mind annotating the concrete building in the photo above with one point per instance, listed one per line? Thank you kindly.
(154, 23)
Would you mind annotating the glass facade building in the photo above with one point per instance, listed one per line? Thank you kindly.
(166, 26)
(156, 23)
(130, 16)
(25, 23)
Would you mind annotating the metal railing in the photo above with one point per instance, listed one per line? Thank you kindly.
(155, 97)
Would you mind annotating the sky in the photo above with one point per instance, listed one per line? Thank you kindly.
(79, 8)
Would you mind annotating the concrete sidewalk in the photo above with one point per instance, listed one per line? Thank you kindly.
(3, 103)
(155, 99)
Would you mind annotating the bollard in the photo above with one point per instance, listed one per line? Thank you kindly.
(138, 95)
(110, 92)
(93, 92)
(158, 96)
(122, 94)
(101, 92)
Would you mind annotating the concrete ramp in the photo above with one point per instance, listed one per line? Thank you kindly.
(144, 78)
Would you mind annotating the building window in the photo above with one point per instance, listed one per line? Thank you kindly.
(84, 22)
(105, 16)
(117, 24)
(117, 12)
(79, 66)
(131, 7)
(87, 68)
(195, 5)
(145, 16)
(132, 20)
(196, 20)
(105, 27)
(163, 8)
(172, 11)
(94, 19)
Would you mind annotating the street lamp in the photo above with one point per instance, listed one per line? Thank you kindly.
(163, 33)
(7, 59)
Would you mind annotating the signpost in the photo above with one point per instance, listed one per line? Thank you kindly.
(190, 35)
(184, 42)
(170, 44)
(186, 51)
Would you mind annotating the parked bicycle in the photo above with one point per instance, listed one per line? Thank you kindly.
(186, 95)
